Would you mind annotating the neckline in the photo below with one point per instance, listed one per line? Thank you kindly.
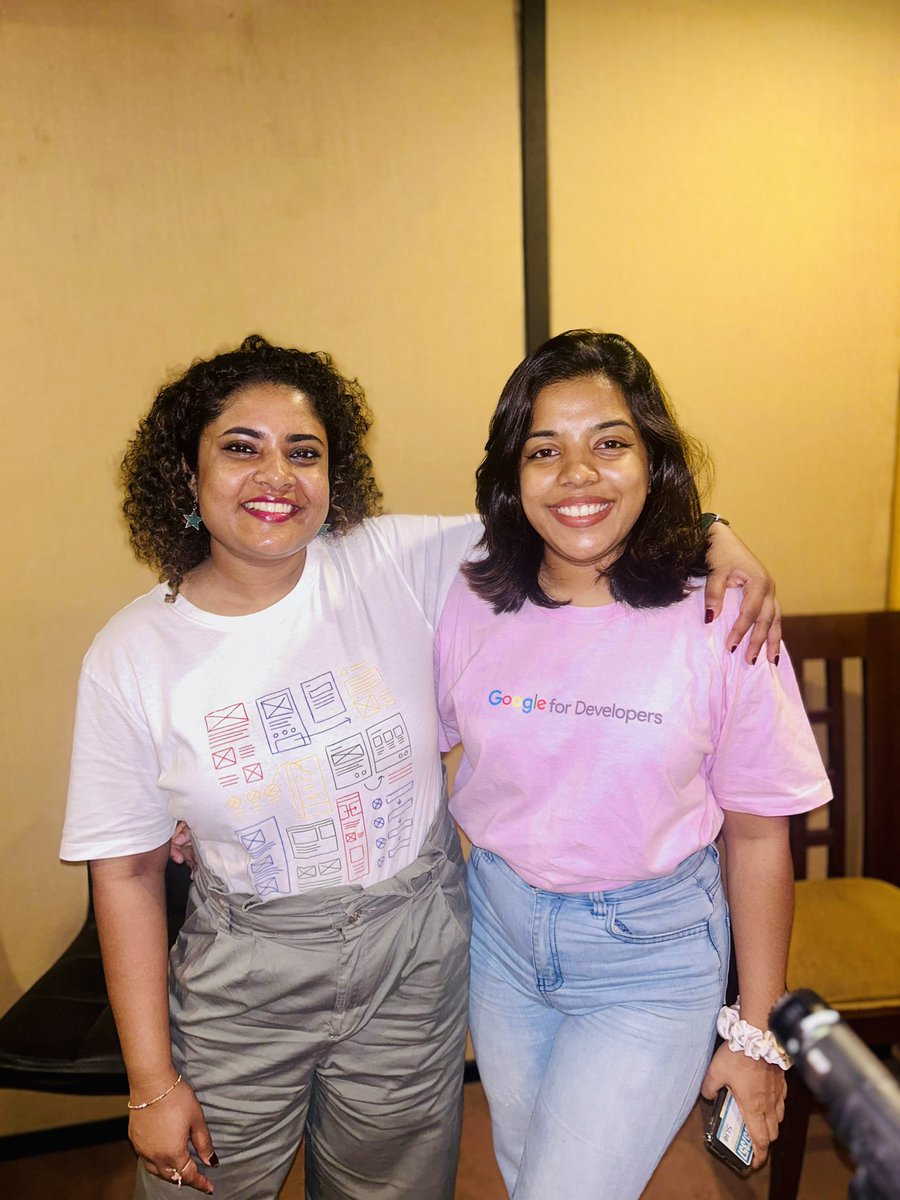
(265, 617)
(597, 614)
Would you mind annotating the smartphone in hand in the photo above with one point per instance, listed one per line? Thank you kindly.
(726, 1134)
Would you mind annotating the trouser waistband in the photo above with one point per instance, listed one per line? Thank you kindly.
(333, 907)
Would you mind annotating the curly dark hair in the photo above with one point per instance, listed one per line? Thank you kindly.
(162, 457)
(665, 546)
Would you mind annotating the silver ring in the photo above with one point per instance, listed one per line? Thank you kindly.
(177, 1175)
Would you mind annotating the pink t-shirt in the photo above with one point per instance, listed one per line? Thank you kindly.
(601, 745)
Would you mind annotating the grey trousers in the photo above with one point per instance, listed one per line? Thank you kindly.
(342, 1014)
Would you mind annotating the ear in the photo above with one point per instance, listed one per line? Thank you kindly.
(191, 478)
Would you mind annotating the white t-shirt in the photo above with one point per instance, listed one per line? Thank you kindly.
(299, 742)
(601, 745)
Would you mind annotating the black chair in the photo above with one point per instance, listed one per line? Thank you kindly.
(60, 1035)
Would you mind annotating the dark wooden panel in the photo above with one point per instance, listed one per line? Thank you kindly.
(881, 853)
(533, 110)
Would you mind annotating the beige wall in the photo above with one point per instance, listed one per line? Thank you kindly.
(894, 580)
(723, 191)
(176, 174)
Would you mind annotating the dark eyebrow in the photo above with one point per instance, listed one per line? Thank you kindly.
(255, 433)
(537, 433)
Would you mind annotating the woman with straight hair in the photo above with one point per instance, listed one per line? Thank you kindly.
(609, 737)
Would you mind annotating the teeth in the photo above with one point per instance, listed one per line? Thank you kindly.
(270, 506)
(581, 510)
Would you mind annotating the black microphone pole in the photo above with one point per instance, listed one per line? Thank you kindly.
(862, 1096)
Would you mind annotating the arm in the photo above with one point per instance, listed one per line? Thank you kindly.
(761, 896)
(129, 902)
(732, 565)
(428, 552)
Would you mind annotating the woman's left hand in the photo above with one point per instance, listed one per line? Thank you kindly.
(732, 565)
(759, 1089)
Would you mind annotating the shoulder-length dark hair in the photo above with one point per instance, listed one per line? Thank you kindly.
(664, 547)
(162, 457)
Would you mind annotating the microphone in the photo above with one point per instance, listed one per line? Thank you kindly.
(862, 1096)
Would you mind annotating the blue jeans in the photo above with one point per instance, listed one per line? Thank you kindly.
(593, 1017)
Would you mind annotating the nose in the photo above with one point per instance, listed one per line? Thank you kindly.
(274, 471)
(578, 469)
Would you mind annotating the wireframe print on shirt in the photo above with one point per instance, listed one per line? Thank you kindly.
(335, 747)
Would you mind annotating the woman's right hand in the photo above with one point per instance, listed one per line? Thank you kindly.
(759, 1090)
(160, 1136)
(181, 847)
(130, 906)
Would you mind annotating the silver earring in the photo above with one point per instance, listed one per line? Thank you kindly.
(192, 519)
(323, 530)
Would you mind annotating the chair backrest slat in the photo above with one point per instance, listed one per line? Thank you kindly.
(833, 640)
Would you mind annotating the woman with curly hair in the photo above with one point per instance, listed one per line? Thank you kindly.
(275, 691)
(158, 489)
(609, 737)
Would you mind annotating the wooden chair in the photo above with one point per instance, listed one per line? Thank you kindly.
(846, 941)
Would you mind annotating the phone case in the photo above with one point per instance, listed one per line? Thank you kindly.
(726, 1134)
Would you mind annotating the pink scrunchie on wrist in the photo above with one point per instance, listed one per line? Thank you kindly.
(744, 1038)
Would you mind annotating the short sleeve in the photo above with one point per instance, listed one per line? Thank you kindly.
(115, 804)
(766, 760)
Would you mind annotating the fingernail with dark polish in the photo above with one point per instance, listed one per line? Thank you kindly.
(709, 615)
(776, 658)
(753, 660)
(731, 649)
(213, 1159)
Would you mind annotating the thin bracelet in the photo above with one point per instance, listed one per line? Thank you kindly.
(156, 1099)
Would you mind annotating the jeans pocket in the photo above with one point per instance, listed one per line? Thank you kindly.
(682, 911)
(709, 875)
(477, 856)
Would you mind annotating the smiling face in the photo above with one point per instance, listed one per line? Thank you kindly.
(583, 480)
(262, 478)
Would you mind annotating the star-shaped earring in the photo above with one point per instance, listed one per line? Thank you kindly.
(193, 519)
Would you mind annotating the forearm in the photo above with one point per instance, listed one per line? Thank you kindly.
(761, 897)
(130, 906)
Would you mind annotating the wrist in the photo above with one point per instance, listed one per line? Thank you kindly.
(150, 1079)
(138, 1101)
(147, 1074)
(708, 520)
(742, 1037)
(756, 1003)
